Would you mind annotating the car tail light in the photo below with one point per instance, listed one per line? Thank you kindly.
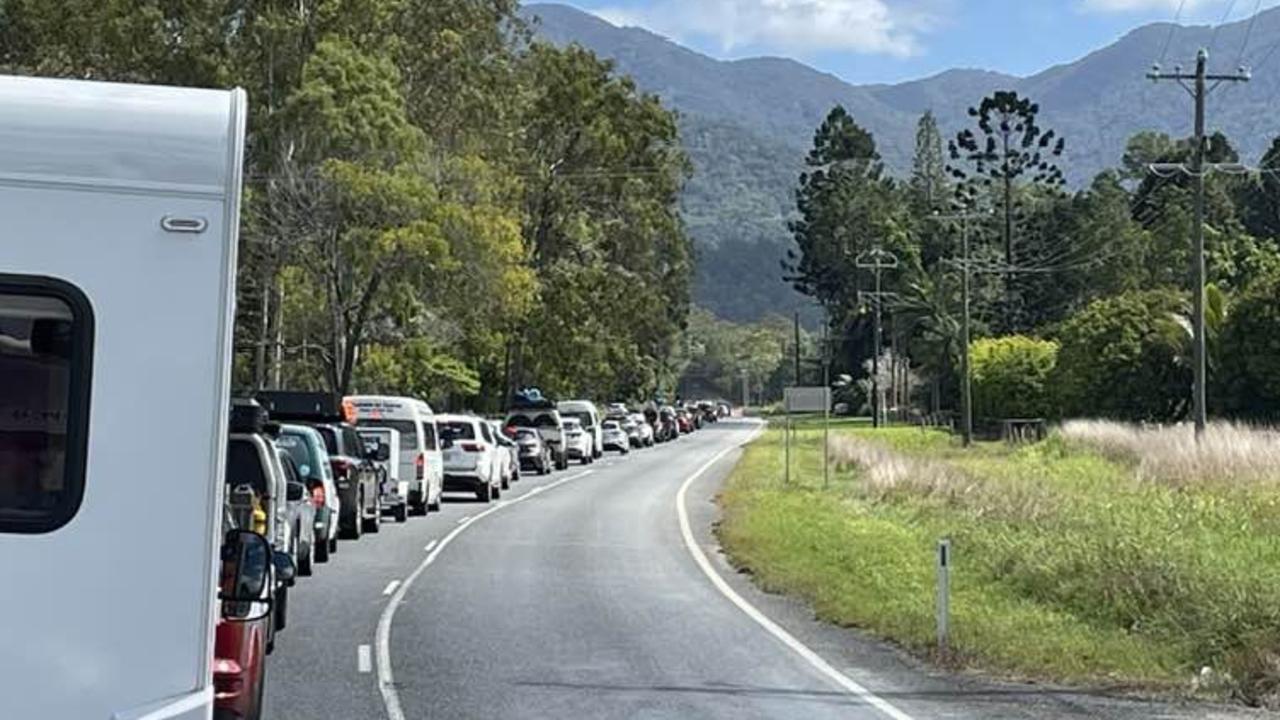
(420, 466)
(472, 447)
(317, 496)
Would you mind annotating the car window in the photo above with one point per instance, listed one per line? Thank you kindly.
(290, 468)
(296, 447)
(408, 431)
(351, 440)
(526, 435)
(244, 466)
(582, 417)
(45, 357)
(330, 438)
(429, 435)
(545, 420)
(457, 430)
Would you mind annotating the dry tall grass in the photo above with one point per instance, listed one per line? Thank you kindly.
(887, 472)
(1229, 453)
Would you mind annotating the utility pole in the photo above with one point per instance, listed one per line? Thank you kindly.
(797, 347)
(877, 260)
(1199, 91)
(966, 386)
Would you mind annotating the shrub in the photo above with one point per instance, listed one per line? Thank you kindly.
(1123, 358)
(1011, 376)
(1249, 355)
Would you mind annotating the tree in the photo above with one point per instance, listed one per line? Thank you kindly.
(1249, 354)
(929, 191)
(1008, 147)
(1011, 376)
(1124, 357)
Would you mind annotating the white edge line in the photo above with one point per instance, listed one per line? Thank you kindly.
(364, 659)
(382, 639)
(760, 618)
(467, 518)
(430, 546)
(391, 587)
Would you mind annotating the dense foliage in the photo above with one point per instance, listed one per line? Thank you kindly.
(1011, 376)
(1105, 270)
(435, 203)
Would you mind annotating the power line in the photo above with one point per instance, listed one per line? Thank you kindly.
(1173, 26)
(1253, 19)
(1213, 38)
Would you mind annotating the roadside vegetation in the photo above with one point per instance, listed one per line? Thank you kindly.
(1106, 556)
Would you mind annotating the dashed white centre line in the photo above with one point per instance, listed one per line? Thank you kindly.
(391, 587)
(364, 659)
(430, 546)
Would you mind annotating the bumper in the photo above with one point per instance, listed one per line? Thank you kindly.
(463, 481)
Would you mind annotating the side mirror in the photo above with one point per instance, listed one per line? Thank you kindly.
(246, 567)
(295, 492)
(286, 569)
(382, 454)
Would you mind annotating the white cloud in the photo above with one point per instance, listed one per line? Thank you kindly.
(794, 26)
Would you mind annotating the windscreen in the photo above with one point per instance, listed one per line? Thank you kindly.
(296, 446)
(244, 466)
(457, 431)
(582, 417)
(330, 439)
(408, 431)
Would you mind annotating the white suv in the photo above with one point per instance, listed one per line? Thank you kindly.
(578, 442)
(471, 456)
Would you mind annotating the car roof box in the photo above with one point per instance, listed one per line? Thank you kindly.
(247, 416)
(294, 406)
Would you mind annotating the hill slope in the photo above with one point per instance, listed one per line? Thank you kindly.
(747, 125)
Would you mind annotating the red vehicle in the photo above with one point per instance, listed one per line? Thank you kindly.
(239, 656)
(684, 421)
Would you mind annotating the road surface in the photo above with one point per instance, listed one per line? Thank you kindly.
(579, 595)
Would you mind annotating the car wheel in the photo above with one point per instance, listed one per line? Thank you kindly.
(356, 528)
(321, 550)
(515, 475)
(506, 483)
(374, 524)
(333, 545)
(282, 609)
(497, 491)
(485, 494)
(304, 561)
(401, 513)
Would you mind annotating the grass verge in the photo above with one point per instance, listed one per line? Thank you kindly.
(1071, 565)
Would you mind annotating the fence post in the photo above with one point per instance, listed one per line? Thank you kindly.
(944, 596)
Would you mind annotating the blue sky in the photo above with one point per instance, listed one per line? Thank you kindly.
(892, 40)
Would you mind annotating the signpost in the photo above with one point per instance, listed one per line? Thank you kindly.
(804, 400)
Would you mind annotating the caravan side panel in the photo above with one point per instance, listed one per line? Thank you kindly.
(110, 614)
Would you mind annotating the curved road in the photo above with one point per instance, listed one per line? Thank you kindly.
(577, 597)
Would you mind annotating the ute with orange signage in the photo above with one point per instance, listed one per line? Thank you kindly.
(354, 471)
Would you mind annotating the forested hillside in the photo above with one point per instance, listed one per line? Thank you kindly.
(768, 107)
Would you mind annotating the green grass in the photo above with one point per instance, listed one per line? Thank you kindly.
(1067, 568)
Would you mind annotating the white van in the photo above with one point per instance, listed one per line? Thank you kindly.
(420, 457)
(587, 414)
(121, 206)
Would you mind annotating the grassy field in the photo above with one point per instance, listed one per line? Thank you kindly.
(1075, 560)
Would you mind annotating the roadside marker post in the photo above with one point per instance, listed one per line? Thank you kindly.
(944, 595)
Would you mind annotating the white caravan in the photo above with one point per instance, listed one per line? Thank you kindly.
(120, 207)
(420, 458)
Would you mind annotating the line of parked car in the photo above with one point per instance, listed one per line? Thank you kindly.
(305, 470)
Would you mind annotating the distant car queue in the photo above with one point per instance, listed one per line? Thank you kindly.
(307, 469)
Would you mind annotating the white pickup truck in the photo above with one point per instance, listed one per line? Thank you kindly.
(120, 207)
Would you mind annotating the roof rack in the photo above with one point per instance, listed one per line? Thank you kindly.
(293, 406)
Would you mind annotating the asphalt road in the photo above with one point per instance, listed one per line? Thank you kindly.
(579, 596)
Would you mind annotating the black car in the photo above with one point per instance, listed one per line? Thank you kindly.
(354, 472)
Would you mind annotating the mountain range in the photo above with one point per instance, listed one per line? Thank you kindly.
(747, 124)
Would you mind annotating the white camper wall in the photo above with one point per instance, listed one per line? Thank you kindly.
(112, 614)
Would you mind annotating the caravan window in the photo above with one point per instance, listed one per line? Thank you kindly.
(46, 333)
